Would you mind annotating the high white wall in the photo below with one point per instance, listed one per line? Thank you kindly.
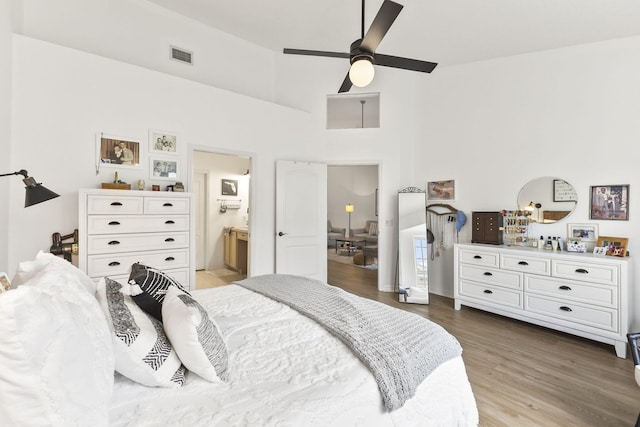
(5, 127)
(355, 184)
(571, 113)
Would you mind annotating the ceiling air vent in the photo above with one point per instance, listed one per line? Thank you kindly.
(181, 55)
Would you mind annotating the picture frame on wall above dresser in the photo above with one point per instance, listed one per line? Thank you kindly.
(441, 190)
(163, 142)
(117, 151)
(609, 202)
(164, 168)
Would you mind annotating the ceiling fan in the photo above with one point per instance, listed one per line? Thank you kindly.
(363, 51)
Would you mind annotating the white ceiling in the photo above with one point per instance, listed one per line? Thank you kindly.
(445, 31)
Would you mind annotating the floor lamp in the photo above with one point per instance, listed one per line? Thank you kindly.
(35, 192)
(348, 209)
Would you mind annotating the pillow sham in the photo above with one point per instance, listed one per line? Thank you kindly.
(148, 287)
(195, 336)
(67, 273)
(56, 357)
(141, 349)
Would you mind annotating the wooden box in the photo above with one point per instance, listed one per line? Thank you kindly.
(112, 186)
(487, 227)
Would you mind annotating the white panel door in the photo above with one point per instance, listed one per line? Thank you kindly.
(301, 219)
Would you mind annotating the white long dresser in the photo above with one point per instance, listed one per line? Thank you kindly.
(581, 294)
(120, 227)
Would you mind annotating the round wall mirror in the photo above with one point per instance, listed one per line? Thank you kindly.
(548, 199)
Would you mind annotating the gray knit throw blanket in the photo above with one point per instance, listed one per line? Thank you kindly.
(400, 348)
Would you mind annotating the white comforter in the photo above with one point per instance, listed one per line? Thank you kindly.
(285, 370)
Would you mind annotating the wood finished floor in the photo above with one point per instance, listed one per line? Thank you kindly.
(523, 375)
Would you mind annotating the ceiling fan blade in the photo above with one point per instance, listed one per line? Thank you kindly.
(404, 63)
(316, 53)
(346, 84)
(388, 13)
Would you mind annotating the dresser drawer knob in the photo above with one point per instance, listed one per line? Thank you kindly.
(169, 239)
(114, 264)
(523, 263)
(477, 257)
(113, 242)
(116, 204)
(487, 291)
(114, 223)
(169, 205)
(565, 308)
(169, 222)
(564, 288)
(169, 258)
(487, 273)
(582, 271)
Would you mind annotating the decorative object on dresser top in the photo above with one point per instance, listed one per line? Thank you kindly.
(118, 228)
(613, 246)
(257, 359)
(580, 294)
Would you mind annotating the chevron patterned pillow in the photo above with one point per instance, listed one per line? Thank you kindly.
(142, 351)
(195, 336)
(148, 288)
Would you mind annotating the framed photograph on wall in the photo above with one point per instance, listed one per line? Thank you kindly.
(584, 232)
(609, 202)
(163, 168)
(116, 151)
(441, 190)
(613, 246)
(229, 187)
(163, 142)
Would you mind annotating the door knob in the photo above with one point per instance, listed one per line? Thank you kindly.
(281, 234)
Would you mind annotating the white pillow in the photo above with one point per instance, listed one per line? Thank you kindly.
(141, 349)
(48, 263)
(194, 335)
(56, 359)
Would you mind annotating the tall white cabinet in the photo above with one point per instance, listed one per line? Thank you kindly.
(581, 294)
(120, 227)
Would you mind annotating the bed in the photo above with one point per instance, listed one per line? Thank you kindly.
(281, 367)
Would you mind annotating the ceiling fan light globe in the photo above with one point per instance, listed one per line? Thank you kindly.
(361, 72)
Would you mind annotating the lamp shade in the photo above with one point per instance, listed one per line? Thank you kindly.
(348, 208)
(36, 193)
(361, 72)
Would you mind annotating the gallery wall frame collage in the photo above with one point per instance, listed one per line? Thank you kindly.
(163, 153)
(606, 203)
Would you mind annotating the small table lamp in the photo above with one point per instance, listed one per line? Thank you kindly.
(349, 209)
(35, 192)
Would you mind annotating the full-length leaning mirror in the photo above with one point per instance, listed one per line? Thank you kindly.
(413, 277)
(549, 199)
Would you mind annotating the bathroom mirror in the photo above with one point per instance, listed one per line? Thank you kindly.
(413, 277)
(549, 199)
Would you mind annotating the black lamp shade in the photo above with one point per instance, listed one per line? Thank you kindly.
(36, 193)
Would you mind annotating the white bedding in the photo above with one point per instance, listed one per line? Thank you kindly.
(285, 370)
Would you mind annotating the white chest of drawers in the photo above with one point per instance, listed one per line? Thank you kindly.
(580, 294)
(118, 228)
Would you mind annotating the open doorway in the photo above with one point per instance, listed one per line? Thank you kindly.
(221, 185)
(352, 226)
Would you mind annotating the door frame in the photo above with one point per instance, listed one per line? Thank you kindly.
(383, 238)
(253, 209)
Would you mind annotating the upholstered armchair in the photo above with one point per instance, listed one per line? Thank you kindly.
(369, 232)
(334, 233)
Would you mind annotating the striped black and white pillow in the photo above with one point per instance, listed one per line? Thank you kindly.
(148, 287)
(142, 351)
(195, 336)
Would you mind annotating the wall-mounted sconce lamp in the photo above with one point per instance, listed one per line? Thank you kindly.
(35, 191)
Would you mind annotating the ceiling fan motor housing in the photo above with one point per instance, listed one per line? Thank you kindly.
(357, 53)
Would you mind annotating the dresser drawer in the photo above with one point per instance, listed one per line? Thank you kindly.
(526, 264)
(488, 259)
(101, 224)
(118, 264)
(597, 317)
(114, 205)
(566, 290)
(166, 205)
(180, 275)
(494, 294)
(583, 271)
(491, 276)
(118, 243)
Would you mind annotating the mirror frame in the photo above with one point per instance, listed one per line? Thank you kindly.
(547, 198)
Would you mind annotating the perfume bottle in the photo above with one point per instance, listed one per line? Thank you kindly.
(541, 243)
(554, 244)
